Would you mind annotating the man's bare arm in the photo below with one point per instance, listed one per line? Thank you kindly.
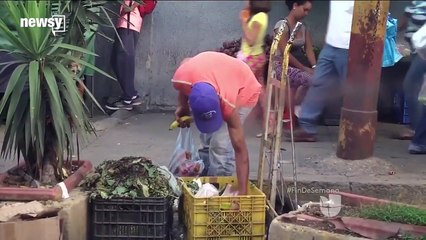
(182, 100)
(236, 133)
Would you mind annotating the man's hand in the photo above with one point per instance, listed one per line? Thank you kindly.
(182, 109)
(180, 112)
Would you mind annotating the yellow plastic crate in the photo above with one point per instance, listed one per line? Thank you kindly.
(213, 218)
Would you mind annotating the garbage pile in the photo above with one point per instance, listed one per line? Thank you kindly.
(129, 177)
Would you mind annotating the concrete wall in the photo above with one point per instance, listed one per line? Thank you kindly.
(178, 29)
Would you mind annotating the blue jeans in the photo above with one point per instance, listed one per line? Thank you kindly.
(420, 135)
(329, 76)
(221, 160)
(416, 111)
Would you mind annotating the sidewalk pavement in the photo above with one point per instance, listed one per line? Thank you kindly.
(392, 173)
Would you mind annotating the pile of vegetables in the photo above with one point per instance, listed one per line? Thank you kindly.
(232, 47)
(129, 177)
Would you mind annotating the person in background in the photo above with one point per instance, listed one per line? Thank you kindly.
(330, 71)
(220, 91)
(414, 18)
(123, 59)
(88, 73)
(254, 23)
(302, 61)
(410, 22)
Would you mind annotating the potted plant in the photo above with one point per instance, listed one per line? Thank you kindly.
(43, 104)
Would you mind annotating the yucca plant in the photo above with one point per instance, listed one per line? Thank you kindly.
(42, 103)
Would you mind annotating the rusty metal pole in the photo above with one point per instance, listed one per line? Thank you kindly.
(358, 121)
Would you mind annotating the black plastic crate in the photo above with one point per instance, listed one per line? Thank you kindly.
(142, 218)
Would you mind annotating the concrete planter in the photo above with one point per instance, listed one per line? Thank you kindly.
(289, 225)
(43, 194)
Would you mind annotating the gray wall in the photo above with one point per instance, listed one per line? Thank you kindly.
(178, 29)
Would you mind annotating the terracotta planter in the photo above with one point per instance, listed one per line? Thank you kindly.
(43, 194)
(372, 229)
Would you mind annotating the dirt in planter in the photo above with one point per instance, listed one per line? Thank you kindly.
(324, 226)
(348, 211)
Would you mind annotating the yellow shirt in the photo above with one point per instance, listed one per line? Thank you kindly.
(262, 19)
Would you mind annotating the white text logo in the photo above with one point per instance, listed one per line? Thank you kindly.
(312, 190)
(56, 23)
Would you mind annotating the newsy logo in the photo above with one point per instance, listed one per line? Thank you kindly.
(56, 23)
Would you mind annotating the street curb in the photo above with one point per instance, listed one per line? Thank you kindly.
(279, 230)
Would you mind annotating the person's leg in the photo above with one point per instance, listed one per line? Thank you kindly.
(136, 100)
(418, 144)
(221, 151)
(341, 65)
(412, 83)
(299, 81)
(123, 62)
(318, 93)
(257, 66)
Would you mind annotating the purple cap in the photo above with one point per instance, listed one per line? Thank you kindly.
(205, 106)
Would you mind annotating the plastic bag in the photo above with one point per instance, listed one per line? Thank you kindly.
(207, 191)
(228, 191)
(419, 41)
(391, 54)
(185, 161)
(172, 180)
(422, 93)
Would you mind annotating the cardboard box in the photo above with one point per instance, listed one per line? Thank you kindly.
(28, 222)
(40, 229)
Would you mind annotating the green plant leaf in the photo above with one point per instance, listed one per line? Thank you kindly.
(145, 190)
(35, 94)
(103, 194)
(14, 128)
(14, 78)
(58, 116)
(133, 194)
(92, 98)
(119, 190)
(86, 64)
(75, 48)
(110, 182)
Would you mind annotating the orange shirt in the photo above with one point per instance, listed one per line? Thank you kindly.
(233, 79)
(135, 18)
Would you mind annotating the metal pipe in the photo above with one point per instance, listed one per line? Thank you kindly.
(358, 121)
